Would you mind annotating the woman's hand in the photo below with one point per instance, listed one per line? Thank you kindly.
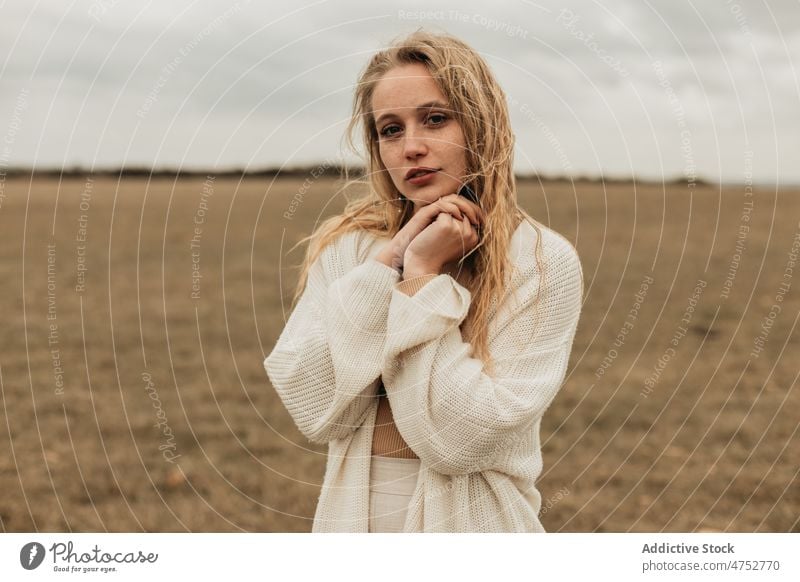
(453, 205)
(445, 241)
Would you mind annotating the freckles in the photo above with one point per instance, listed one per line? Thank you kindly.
(455, 139)
(385, 148)
(384, 154)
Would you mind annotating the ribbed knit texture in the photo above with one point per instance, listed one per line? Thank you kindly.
(386, 439)
(477, 436)
(411, 286)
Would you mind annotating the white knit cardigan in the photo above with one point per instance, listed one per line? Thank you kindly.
(477, 436)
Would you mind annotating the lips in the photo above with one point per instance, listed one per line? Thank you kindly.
(419, 171)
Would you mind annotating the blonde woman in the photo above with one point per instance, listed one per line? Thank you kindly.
(434, 318)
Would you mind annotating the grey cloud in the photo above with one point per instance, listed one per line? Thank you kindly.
(258, 70)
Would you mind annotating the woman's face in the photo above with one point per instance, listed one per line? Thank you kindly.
(416, 129)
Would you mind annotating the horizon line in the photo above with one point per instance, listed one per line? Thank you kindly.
(336, 170)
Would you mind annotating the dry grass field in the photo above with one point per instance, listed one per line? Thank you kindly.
(134, 397)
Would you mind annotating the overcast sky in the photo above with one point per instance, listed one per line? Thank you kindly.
(623, 87)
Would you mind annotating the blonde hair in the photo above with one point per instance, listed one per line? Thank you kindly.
(479, 104)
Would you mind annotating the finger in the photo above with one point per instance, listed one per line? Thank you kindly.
(469, 229)
(471, 234)
(468, 208)
(464, 227)
(444, 217)
(450, 208)
(464, 205)
(435, 208)
(472, 210)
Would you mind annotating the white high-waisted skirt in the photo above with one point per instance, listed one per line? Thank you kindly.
(391, 485)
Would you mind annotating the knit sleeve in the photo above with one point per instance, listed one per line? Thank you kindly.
(327, 361)
(453, 415)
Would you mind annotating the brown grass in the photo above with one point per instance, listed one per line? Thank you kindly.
(713, 446)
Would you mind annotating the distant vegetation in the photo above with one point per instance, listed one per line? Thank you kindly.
(295, 172)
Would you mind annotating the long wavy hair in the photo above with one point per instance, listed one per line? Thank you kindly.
(479, 105)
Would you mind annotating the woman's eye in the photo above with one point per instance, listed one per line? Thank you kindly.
(387, 131)
(434, 119)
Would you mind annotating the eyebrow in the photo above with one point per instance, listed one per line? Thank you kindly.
(428, 105)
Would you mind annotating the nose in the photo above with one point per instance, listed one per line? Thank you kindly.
(414, 146)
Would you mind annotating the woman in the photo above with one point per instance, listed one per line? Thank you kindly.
(431, 330)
